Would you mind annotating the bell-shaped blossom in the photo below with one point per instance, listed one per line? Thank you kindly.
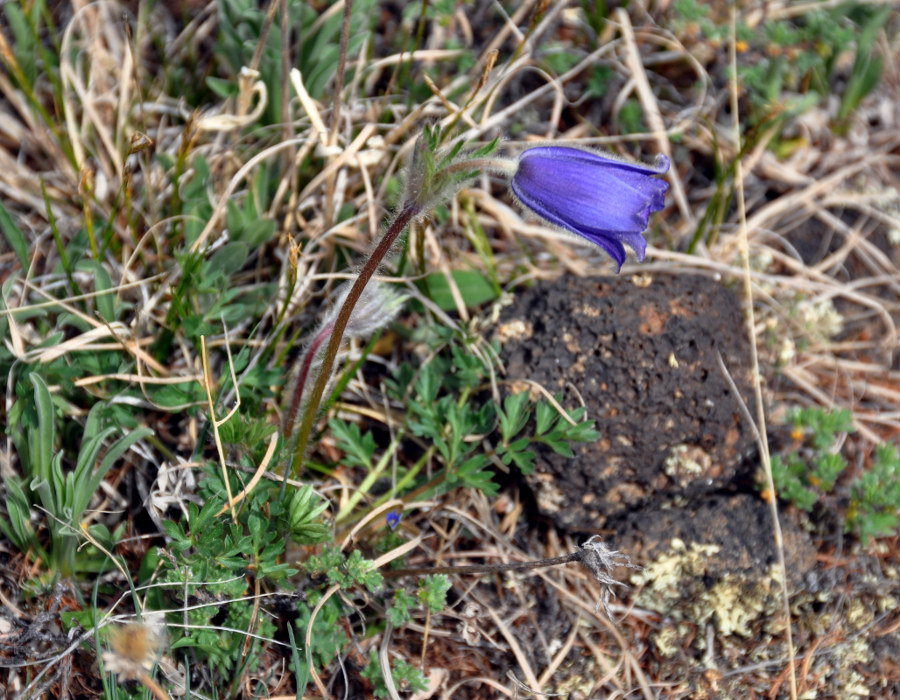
(604, 200)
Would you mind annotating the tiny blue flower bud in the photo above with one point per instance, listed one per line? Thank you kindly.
(604, 200)
(393, 519)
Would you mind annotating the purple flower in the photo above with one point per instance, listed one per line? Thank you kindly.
(393, 519)
(605, 200)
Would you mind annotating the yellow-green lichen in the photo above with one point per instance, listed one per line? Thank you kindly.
(675, 585)
(859, 614)
(663, 580)
(666, 641)
(733, 603)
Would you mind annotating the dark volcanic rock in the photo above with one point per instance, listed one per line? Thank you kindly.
(738, 527)
(641, 352)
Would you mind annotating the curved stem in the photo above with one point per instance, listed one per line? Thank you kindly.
(305, 364)
(402, 220)
(497, 165)
(485, 568)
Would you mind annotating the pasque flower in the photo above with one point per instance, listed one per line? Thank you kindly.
(604, 200)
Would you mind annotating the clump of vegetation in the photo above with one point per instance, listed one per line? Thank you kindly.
(808, 474)
(185, 202)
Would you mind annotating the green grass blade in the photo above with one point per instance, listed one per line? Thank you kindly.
(14, 237)
(41, 446)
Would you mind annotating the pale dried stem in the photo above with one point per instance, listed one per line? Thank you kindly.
(744, 243)
(652, 111)
(217, 423)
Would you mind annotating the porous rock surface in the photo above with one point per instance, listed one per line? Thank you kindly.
(670, 482)
(641, 353)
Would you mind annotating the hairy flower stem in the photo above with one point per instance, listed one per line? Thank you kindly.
(485, 568)
(593, 555)
(311, 351)
(402, 220)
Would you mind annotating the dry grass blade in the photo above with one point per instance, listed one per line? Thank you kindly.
(651, 108)
(757, 375)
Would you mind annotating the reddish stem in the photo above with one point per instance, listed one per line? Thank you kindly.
(306, 363)
(406, 215)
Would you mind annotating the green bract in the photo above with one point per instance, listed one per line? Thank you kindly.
(434, 176)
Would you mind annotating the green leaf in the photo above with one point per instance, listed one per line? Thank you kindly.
(873, 525)
(473, 475)
(474, 287)
(230, 258)
(583, 432)
(867, 68)
(427, 386)
(545, 417)
(828, 467)
(258, 232)
(433, 592)
(116, 450)
(42, 440)
(222, 88)
(516, 453)
(561, 447)
(176, 396)
(82, 485)
(304, 508)
(450, 154)
(102, 283)
(514, 416)
(399, 612)
(359, 448)
(487, 149)
(257, 527)
(14, 236)
(18, 530)
(202, 519)
(24, 43)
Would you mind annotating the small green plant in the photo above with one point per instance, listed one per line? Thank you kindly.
(431, 594)
(344, 570)
(30, 25)
(206, 296)
(63, 493)
(221, 560)
(406, 677)
(809, 475)
(804, 477)
(448, 406)
(792, 64)
(242, 23)
(875, 496)
(551, 429)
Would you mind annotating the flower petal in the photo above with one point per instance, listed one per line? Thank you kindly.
(607, 201)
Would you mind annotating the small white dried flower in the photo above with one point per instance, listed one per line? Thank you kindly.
(175, 485)
(600, 560)
(133, 649)
(821, 319)
(787, 351)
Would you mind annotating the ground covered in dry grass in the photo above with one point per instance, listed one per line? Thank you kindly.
(185, 186)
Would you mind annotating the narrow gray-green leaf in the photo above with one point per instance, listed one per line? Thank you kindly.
(46, 427)
(14, 237)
